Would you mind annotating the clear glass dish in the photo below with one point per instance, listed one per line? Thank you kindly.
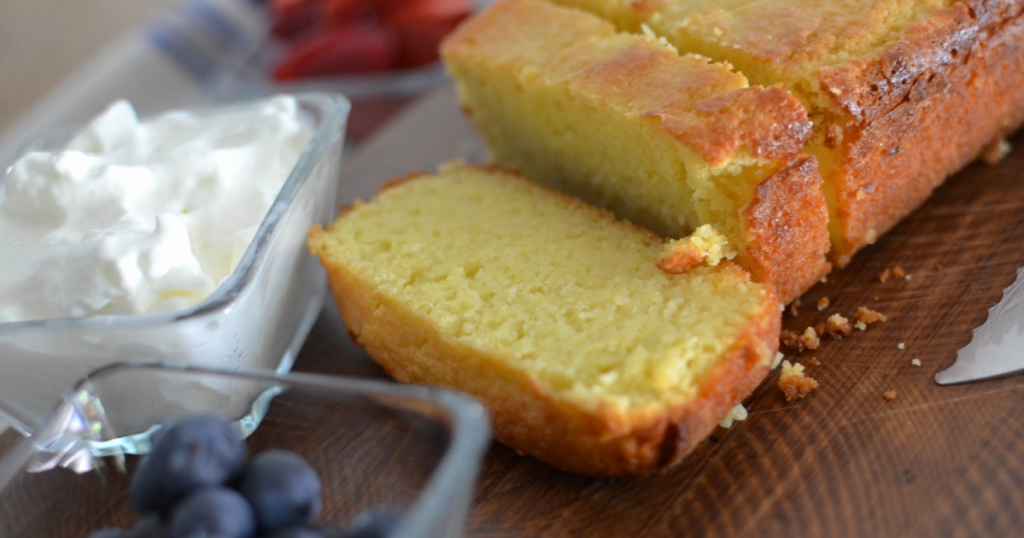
(257, 319)
(373, 444)
(226, 45)
(244, 67)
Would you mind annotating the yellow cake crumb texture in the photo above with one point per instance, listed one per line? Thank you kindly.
(555, 288)
(704, 246)
(794, 383)
(738, 413)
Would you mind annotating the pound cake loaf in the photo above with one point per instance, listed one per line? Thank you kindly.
(552, 313)
(668, 141)
(902, 92)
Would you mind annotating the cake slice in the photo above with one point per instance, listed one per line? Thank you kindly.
(902, 92)
(552, 313)
(668, 141)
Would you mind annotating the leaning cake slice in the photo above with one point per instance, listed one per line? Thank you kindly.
(552, 313)
(668, 141)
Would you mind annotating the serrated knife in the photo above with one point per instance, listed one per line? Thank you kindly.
(997, 348)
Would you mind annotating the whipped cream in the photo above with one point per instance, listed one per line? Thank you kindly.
(141, 217)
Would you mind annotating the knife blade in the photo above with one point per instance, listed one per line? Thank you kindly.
(997, 348)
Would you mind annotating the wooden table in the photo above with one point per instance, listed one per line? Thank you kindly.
(936, 461)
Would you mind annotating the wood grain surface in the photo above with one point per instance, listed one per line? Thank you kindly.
(936, 461)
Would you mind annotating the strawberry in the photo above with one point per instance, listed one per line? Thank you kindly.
(345, 12)
(421, 25)
(347, 49)
(290, 19)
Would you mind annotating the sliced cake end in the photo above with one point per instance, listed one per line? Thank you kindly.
(552, 313)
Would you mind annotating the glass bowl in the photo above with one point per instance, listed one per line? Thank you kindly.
(372, 443)
(258, 318)
(227, 48)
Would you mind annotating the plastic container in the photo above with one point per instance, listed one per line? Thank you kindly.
(373, 444)
(257, 319)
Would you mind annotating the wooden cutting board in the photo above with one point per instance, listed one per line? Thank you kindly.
(936, 461)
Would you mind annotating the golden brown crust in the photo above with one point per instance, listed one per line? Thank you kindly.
(678, 259)
(784, 223)
(401, 180)
(920, 110)
(710, 109)
(727, 385)
(769, 121)
(528, 417)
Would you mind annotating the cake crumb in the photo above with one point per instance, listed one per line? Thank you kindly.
(835, 327)
(735, 414)
(810, 339)
(824, 280)
(860, 326)
(835, 91)
(898, 272)
(794, 383)
(995, 151)
(823, 303)
(790, 340)
(778, 360)
(802, 342)
(868, 316)
(889, 395)
(916, 362)
(901, 346)
(705, 245)
(815, 362)
(884, 276)
(861, 194)
(795, 306)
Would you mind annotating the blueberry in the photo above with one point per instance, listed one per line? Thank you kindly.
(374, 523)
(213, 513)
(150, 526)
(108, 533)
(196, 452)
(283, 489)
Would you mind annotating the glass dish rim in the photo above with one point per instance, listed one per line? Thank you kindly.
(470, 428)
(335, 108)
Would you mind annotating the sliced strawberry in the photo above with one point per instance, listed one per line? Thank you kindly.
(394, 10)
(290, 19)
(421, 25)
(345, 12)
(348, 49)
